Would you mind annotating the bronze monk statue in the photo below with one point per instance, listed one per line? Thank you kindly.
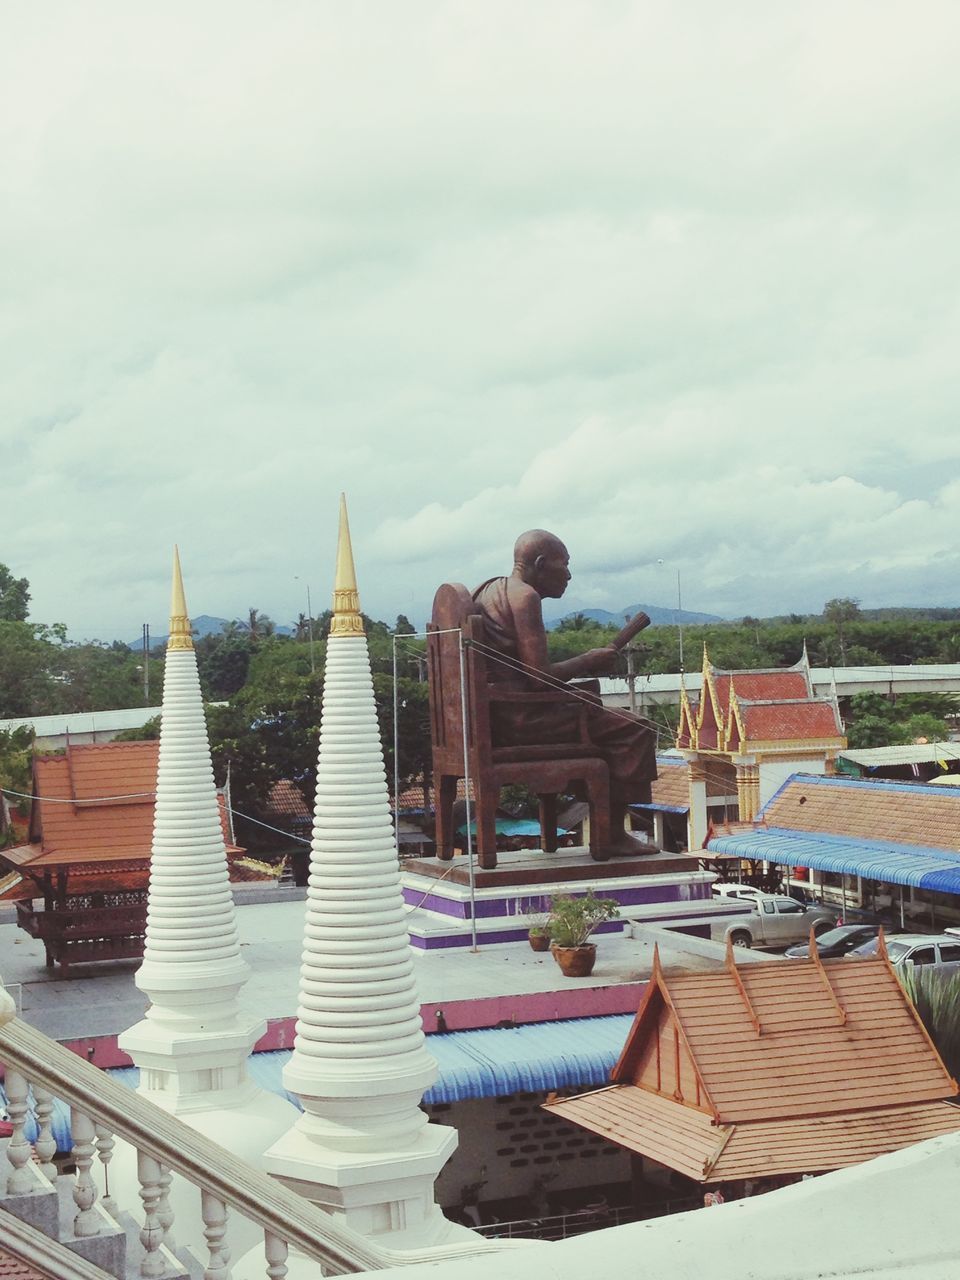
(513, 624)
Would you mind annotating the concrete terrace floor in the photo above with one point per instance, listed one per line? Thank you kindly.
(103, 1000)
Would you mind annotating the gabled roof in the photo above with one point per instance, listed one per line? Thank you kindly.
(729, 1066)
(94, 806)
(766, 707)
(806, 1059)
(800, 720)
(898, 812)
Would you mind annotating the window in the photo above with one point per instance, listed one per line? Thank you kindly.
(769, 908)
(790, 908)
(949, 951)
(922, 955)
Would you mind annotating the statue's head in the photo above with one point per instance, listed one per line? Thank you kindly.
(542, 561)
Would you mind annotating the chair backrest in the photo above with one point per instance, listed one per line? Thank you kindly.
(454, 613)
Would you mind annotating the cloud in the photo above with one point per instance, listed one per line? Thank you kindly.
(676, 281)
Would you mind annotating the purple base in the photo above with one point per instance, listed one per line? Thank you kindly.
(492, 908)
(438, 943)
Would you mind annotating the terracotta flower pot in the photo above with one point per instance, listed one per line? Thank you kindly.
(539, 941)
(575, 962)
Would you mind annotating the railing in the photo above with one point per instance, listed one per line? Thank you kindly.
(102, 1110)
(577, 1222)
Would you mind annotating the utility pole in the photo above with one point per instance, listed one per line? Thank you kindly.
(631, 675)
(146, 664)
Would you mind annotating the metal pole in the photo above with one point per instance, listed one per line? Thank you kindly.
(466, 795)
(680, 619)
(146, 664)
(313, 665)
(396, 754)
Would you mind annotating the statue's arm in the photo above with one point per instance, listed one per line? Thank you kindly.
(532, 644)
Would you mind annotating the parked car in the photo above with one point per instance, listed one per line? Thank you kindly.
(747, 891)
(776, 922)
(836, 942)
(910, 949)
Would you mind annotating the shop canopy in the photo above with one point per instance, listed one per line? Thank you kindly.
(921, 866)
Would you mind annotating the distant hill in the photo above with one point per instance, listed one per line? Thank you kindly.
(658, 616)
(204, 625)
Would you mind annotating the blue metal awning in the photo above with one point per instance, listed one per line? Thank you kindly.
(921, 866)
(577, 1052)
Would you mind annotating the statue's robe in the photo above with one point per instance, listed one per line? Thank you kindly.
(625, 743)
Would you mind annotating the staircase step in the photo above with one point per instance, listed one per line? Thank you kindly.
(39, 1206)
(107, 1249)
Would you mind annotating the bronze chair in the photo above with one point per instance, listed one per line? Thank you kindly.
(547, 768)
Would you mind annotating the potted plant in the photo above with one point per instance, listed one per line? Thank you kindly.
(572, 921)
(538, 923)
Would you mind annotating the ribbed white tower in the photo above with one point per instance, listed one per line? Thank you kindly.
(363, 1149)
(192, 1045)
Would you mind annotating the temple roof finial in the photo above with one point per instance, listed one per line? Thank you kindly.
(181, 633)
(346, 599)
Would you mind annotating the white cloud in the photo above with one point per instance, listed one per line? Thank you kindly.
(678, 281)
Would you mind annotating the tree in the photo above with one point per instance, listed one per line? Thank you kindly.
(14, 596)
(30, 679)
(840, 610)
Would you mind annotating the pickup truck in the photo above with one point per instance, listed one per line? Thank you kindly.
(777, 922)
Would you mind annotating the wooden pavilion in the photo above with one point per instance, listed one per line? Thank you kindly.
(772, 1071)
(87, 856)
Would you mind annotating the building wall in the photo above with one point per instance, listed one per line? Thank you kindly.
(774, 773)
(511, 1144)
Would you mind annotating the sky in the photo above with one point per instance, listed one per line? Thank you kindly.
(677, 281)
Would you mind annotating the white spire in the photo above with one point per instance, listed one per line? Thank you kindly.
(363, 1147)
(192, 953)
(194, 1042)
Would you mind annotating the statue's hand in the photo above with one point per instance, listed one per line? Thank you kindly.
(600, 662)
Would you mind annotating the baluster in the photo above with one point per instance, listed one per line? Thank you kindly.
(151, 1233)
(105, 1145)
(164, 1209)
(19, 1151)
(45, 1145)
(214, 1213)
(276, 1251)
(88, 1221)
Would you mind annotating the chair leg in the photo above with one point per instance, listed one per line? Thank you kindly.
(598, 797)
(486, 818)
(548, 822)
(445, 794)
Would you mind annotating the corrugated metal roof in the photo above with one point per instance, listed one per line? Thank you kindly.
(473, 1064)
(922, 867)
(911, 753)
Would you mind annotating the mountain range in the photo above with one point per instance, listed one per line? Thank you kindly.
(659, 617)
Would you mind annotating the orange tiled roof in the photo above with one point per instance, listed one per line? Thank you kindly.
(788, 721)
(113, 788)
(790, 1050)
(782, 684)
(14, 1268)
(672, 787)
(863, 810)
(286, 800)
(412, 797)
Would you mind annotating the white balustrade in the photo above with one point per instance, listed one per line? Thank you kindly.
(45, 1145)
(214, 1214)
(105, 1145)
(88, 1221)
(276, 1254)
(151, 1233)
(19, 1151)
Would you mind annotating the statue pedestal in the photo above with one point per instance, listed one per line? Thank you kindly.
(664, 889)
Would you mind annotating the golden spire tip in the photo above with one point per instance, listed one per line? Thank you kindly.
(181, 633)
(346, 599)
